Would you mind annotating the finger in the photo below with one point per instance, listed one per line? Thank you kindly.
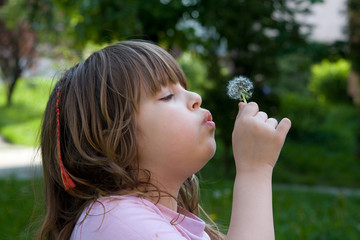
(262, 115)
(272, 122)
(284, 126)
(250, 109)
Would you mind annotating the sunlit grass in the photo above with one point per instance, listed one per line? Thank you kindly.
(20, 122)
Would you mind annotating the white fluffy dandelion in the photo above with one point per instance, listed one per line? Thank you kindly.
(240, 88)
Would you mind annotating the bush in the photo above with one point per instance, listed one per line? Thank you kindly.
(321, 145)
(195, 72)
(329, 81)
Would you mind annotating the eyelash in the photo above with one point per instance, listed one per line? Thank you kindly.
(168, 97)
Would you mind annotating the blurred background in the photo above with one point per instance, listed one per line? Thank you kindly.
(302, 55)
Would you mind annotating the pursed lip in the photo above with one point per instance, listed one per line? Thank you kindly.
(208, 120)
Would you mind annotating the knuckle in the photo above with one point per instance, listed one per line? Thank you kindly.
(263, 113)
(278, 139)
(274, 120)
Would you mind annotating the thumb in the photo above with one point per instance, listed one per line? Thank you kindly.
(241, 107)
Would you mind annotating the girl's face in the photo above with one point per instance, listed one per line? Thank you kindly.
(175, 135)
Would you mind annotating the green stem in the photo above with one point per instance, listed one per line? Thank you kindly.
(244, 98)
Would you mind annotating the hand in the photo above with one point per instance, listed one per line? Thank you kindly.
(257, 140)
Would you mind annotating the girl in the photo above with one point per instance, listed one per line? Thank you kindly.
(121, 141)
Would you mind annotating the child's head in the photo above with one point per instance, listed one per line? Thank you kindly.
(98, 101)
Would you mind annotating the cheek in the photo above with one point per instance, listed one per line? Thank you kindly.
(181, 130)
(176, 123)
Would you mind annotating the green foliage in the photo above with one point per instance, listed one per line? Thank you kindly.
(195, 71)
(329, 81)
(80, 22)
(321, 144)
(252, 33)
(246, 38)
(294, 66)
(20, 123)
(294, 72)
(245, 35)
(13, 13)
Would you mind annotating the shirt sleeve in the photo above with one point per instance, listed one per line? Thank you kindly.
(124, 222)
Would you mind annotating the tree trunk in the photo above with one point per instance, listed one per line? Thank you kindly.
(10, 90)
(354, 39)
(16, 73)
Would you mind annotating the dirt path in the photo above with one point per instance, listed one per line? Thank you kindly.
(18, 161)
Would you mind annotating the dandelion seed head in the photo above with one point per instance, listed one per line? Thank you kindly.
(240, 87)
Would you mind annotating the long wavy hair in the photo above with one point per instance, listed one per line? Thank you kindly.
(98, 101)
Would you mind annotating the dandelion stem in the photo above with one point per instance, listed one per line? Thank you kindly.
(244, 98)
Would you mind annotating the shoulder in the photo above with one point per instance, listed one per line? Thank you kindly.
(125, 217)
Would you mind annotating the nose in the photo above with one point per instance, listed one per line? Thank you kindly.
(194, 100)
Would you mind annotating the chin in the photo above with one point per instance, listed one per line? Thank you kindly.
(212, 152)
(213, 149)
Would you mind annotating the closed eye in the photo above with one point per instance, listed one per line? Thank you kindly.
(167, 98)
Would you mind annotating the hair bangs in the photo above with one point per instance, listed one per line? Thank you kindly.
(159, 70)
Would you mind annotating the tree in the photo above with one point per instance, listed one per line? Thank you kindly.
(254, 33)
(243, 37)
(354, 38)
(17, 48)
(80, 22)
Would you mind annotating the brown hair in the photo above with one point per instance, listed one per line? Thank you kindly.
(98, 101)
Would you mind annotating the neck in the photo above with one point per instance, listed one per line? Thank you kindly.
(169, 202)
(162, 197)
(165, 195)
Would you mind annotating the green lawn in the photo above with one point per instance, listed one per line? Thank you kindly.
(298, 214)
(20, 122)
(19, 208)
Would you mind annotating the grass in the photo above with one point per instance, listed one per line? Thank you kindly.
(297, 214)
(19, 209)
(311, 215)
(20, 122)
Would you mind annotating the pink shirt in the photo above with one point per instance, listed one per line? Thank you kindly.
(130, 217)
